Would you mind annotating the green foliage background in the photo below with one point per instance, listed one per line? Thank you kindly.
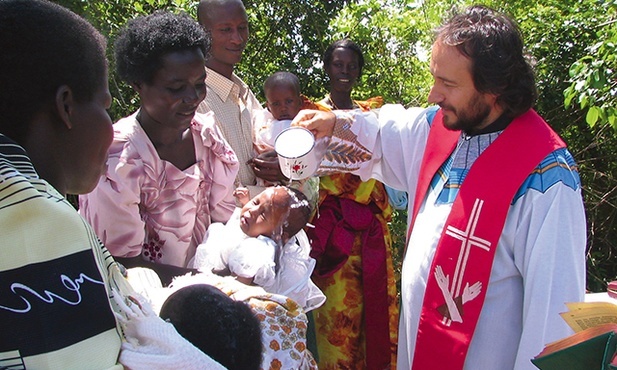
(573, 44)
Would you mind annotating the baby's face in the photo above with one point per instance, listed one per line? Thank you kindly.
(265, 213)
(283, 102)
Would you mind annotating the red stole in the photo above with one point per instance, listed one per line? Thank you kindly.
(460, 271)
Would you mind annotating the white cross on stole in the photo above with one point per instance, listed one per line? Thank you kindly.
(452, 311)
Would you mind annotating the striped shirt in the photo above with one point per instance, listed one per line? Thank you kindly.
(54, 277)
(236, 109)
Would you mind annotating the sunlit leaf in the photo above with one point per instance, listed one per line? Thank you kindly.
(592, 115)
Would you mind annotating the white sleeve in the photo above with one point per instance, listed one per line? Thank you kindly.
(552, 264)
(395, 143)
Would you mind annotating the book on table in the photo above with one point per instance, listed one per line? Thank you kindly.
(593, 345)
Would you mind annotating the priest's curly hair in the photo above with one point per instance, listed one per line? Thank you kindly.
(494, 44)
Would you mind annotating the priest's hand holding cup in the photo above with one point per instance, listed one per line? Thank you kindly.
(320, 123)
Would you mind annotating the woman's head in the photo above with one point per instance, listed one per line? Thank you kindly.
(162, 56)
(343, 62)
(44, 46)
(145, 40)
(54, 92)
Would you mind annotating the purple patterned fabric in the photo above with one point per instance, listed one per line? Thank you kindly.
(145, 205)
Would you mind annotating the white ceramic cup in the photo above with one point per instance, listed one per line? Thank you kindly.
(295, 147)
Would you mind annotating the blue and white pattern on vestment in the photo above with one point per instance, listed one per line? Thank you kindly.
(558, 166)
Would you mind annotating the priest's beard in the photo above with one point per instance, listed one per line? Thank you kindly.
(470, 118)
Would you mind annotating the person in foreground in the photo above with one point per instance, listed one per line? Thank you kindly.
(225, 329)
(56, 278)
(170, 173)
(497, 235)
(283, 322)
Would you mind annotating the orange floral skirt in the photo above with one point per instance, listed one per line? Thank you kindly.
(339, 323)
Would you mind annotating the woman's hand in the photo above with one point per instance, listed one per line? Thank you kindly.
(320, 123)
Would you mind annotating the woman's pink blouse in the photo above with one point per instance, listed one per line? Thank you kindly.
(145, 205)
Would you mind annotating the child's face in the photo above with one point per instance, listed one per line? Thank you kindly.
(283, 102)
(265, 213)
